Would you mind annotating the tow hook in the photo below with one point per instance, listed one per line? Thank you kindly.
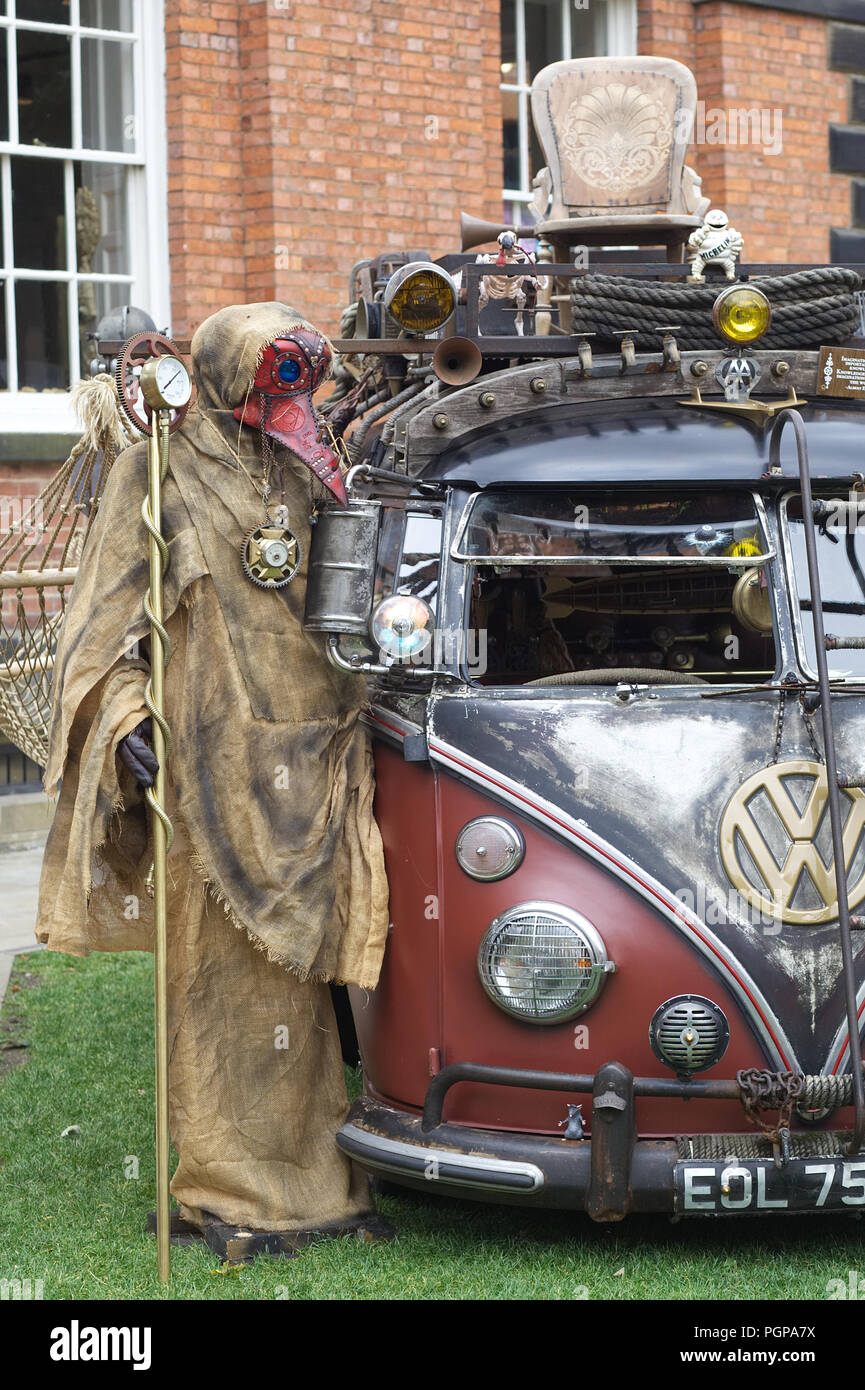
(613, 1132)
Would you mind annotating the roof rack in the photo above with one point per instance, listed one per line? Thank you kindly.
(558, 343)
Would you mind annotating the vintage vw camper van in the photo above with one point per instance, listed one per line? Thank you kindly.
(610, 602)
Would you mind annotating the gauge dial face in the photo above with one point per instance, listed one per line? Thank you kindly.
(152, 378)
(173, 383)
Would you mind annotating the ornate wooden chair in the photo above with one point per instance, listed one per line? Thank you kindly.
(614, 132)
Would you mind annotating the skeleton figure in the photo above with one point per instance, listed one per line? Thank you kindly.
(521, 290)
(715, 242)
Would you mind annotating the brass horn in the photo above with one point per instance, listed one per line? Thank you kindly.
(474, 231)
(457, 361)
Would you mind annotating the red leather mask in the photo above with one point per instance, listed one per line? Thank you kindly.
(280, 402)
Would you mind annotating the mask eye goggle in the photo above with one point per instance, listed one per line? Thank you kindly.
(291, 365)
(290, 370)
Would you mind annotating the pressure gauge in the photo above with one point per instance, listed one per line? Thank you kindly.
(150, 378)
(165, 383)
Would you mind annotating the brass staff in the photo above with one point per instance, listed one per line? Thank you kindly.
(163, 832)
(165, 386)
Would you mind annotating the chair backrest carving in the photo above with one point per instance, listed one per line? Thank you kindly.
(614, 132)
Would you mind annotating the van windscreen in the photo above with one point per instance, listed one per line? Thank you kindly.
(560, 526)
(596, 588)
(840, 538)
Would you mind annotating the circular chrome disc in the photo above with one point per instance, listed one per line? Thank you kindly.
(489, 847)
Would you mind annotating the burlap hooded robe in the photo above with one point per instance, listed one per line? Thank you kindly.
(271, 774)
(270, 789)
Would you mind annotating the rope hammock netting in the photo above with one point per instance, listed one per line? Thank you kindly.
(40, 545)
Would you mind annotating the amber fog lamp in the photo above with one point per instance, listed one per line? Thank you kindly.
(741, 313)
(543, 962)
(402, 627)
(421, 297)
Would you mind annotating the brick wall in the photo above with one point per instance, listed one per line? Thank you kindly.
(666, 28)
(754, 58)
(206, 210)
(305, 136)
(20, 486)
(773, 62)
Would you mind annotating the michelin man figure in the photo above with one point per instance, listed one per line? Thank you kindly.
(715, 243)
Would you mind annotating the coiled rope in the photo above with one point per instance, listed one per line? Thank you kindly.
(771, 1090)
(827, 1092)
(810, 308)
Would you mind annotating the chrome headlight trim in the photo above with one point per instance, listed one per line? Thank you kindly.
(585, 932)
(513, 849)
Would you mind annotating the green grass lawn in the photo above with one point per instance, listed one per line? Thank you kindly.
(70, 1215)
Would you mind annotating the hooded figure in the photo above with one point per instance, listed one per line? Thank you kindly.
(276, 880)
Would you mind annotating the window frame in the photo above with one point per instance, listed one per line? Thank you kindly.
(622, 36)
(147, 282)
(460, 554)
(765, 511)
(793, 578)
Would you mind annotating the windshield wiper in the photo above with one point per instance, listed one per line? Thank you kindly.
(836, 684)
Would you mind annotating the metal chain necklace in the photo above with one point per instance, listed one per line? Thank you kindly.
(271, 553)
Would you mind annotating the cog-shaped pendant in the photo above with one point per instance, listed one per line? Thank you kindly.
(271, 556)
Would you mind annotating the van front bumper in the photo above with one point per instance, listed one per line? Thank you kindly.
(608, 1175)
(498, 1166)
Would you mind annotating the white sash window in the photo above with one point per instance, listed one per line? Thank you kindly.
(535, 33)
(82, 190)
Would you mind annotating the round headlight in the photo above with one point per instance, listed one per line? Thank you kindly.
(742, 313)
(421, 297)
(402, 627)
(542, 962)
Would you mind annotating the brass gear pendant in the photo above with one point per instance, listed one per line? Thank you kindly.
(271, 556)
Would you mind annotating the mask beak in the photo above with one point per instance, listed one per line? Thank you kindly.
(291, 420)
(280, 403)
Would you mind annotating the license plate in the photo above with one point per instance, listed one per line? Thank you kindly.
(755, 1186)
